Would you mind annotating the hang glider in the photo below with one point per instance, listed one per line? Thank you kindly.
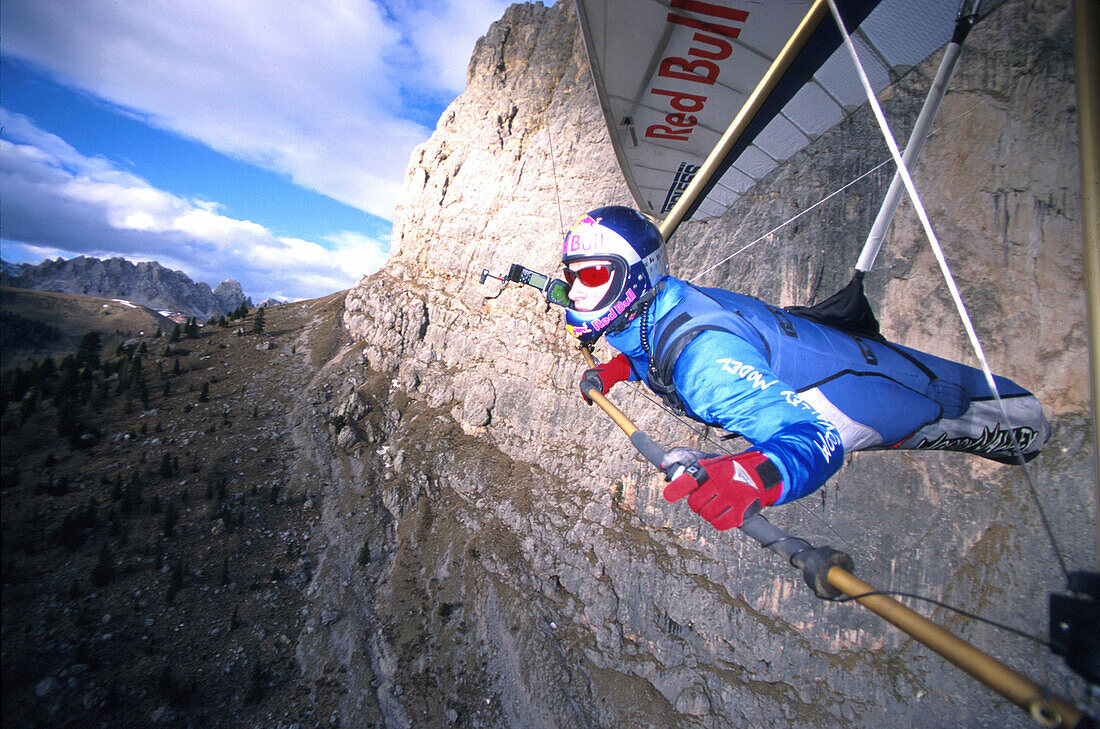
(704, 98)
(672, 74)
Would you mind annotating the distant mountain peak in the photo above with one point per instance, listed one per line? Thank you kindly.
(147, 282)
(230, 289)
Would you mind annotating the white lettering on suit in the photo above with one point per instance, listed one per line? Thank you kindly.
(827, 442)
(745, 372)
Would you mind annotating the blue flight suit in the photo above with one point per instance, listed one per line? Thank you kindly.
(804, 393)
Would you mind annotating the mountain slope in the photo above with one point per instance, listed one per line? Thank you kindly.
(41, 323)
(160, 531)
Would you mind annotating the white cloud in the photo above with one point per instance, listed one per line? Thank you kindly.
(358, 252)
(438, 27)
(313, 90)
(57, 202)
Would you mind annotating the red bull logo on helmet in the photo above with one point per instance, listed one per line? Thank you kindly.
(585, 237)
(578, 332)
(588, 238)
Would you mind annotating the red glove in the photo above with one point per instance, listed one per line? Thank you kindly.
(604, 376)
(730, 486)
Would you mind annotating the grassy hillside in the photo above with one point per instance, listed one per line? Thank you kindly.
(155, 529)
(35, 324)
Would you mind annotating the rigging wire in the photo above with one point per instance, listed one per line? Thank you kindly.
(791, 220)
(703, 433)
(554, 169)
(822, 201)
(705, 436)
(938, 603)
(937, 250)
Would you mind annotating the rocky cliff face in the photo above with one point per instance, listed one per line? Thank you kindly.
(522, 568)
(147, 283)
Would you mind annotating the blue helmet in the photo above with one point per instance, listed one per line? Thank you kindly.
(636, 250)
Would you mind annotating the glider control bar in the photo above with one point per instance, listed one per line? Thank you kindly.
(829, 574)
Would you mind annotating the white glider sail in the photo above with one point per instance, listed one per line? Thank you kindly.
(672, 74)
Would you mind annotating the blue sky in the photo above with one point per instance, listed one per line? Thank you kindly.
(260, 140)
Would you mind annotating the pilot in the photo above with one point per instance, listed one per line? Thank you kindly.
(803, 388)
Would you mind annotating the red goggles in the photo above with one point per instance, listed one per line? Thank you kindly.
(591, 277)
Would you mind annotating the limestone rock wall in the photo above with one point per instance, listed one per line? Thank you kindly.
(524, 569)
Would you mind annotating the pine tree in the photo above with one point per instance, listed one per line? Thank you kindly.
(143, 395)
(256, 685)
(131, 494)
(258, 322)
(68, 386)
(87, 353)
(171, 518)
(175, 580)
(47, 368)
(104, 571)
(71, 532)
(166, 466)
(16, 385)
(67, 418)
(29, 405)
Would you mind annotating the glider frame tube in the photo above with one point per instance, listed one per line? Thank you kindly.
(916, 142)
(1086, 15)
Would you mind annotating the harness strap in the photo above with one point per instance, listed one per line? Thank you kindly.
(672, 339)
